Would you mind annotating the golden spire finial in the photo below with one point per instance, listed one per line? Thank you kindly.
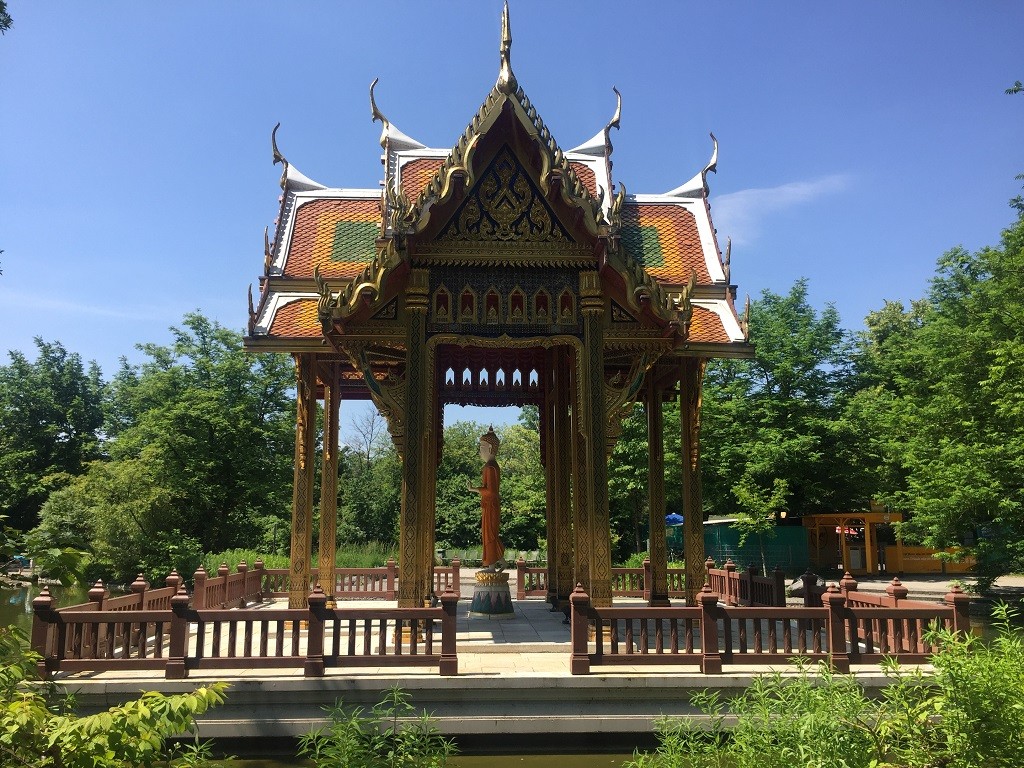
(506, 80)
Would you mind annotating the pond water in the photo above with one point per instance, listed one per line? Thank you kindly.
(16, 604)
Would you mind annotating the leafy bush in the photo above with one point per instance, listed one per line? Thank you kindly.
(967, 714)
(392, 735)
(38, 729)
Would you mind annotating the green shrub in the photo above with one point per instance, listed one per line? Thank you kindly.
(967, 714)
(391, 735)
(371, 554)
(38, 728)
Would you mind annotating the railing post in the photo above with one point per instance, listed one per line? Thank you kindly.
(960, 601)
(222, 573)
(449, 652)
(139, 587)
(317, 602)
(729, 598)
(779, 587)
(176, 669)
(456, 577)
(708, 565)
(579, 617)
(259, 576)
(711, 657)
(847, 584)
(749, 579)
(649, 579)
(520, 578)
(97, 594)
(390, 593)
(42, 617)
(199, 588)
(897, 591)
(810, 581)
(835, 601)
(243, 569)
(174, 579)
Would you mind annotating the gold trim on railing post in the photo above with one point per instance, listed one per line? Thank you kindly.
(579, 618)
(449, 648)
(178, 640)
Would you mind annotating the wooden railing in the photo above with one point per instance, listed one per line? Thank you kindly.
(531, 581)
(746, 588)
(711, 635)
(363, 583)
(626, 582)
(182, 637)
(226, 589)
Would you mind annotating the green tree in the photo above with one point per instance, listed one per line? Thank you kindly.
(200, 442)
(50, 417)
(782, 415)
(946, 408)
(523, 496)
(5, 22)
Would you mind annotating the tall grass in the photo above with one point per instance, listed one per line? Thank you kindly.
(372, 554)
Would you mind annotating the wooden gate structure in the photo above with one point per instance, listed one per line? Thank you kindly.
(501, 271)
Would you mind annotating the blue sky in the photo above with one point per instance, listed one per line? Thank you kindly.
(858, 141)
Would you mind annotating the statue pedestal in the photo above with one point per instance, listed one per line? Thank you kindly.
(491, 596)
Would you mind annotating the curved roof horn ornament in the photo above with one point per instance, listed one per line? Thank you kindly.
(376, 114)
(698, 185)
(506, 79)
(278, 157)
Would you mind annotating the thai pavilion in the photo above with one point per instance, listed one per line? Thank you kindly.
(503, 270)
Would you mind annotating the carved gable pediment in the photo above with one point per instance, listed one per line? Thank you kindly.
(504, 206)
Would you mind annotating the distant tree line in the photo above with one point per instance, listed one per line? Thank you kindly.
(190, 451)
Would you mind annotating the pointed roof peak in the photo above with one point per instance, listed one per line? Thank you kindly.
(506, 79)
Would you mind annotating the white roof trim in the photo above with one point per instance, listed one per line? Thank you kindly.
(271, 307)
(399, 140)
(593, 146)
(721, 308)
(298, 181)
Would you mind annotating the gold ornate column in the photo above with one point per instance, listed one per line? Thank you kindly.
(329, 479)
(596, 491)
(577, 448)
(412, 586)
(548, 459)
(691, 377)
(561, 473)
(302, 488)
(656, 495)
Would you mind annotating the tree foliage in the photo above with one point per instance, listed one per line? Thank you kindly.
(39, 730)
(781, 415)
(944, 405)
(50, 418)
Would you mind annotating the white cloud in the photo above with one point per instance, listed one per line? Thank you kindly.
(741, 215)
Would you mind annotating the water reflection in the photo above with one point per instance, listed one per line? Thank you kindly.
(16, 603)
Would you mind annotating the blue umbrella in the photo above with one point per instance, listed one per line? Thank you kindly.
(673, 519)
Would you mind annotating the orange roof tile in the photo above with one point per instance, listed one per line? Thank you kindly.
(337, 235)
(664, 238)
(586, 175)
(416, 174)
(706, 326)
(296, 319)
